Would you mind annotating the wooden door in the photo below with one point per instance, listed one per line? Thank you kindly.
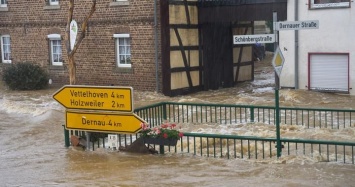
(217, 55)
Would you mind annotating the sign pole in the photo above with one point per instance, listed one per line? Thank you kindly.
(278, 64)
(277, 85)
(87, 134)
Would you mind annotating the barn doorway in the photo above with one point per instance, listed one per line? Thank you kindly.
(217, 55)
(197, 42)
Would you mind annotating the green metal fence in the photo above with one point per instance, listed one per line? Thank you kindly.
(228, 114)
(232, 146)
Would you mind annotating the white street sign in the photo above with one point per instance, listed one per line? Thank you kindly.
(253, 39)
(297, 25)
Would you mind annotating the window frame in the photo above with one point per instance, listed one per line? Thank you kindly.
(313, 5)
(322, 74)
(117, 51)
(2, 49)
(114, 3)
(52, 38)
(53, 3)
(3, 4)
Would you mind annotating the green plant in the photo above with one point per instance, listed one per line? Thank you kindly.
(166, 130)
(25, 76)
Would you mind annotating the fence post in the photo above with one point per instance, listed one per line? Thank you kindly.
(252, 114)
(164, 111)
(277, 116)
(161, 149)
(66, 137)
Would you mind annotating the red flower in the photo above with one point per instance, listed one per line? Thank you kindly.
(164, 131)
(165, 135)
(164, 126)
(181, 134)
(144, 126)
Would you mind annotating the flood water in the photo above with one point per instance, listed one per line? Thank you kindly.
(32, 151)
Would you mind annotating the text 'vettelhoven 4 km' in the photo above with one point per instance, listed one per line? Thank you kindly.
(95, 98)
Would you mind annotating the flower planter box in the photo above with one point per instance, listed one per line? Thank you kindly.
(160, 141)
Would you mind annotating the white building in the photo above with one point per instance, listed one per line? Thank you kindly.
(325, 57)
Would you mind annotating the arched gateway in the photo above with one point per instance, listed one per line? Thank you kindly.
(197, 42)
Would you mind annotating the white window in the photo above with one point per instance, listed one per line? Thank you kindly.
(55, 49)
(317, 4)
(119, 3)
(53, 2)
(123, 50)
(5, 49)
(3, 3)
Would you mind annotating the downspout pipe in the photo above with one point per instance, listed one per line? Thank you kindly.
(296, 46)
(156, 46)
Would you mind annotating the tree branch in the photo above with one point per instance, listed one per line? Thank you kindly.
(84, 27)
(70, 53)
(67, 28)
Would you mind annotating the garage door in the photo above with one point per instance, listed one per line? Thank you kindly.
(329, 72)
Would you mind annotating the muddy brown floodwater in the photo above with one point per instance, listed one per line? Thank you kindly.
(32, 151)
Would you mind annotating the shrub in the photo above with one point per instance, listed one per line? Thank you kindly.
(25, 76)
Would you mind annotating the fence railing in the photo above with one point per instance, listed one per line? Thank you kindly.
(231, 146)
(229, 114)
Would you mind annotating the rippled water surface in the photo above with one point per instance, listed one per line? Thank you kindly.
(32, 151)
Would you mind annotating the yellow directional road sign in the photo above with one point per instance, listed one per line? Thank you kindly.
(111, 98)
(278, 61)
(103, 122)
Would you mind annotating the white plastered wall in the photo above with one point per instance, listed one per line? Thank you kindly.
(336, 34)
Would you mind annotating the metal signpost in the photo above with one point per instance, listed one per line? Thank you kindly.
(278, 61)
(277, 86)
(115, 106)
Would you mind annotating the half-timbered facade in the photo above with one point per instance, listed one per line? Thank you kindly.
(197, 45)
(172, 46)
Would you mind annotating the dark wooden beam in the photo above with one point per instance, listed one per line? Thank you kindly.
(245, 12)
(184, 58)
(240, 58)
(165, 51)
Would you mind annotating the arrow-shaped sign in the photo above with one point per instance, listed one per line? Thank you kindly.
(95, 98)
(104, 122)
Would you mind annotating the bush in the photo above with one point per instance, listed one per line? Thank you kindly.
(25, 76)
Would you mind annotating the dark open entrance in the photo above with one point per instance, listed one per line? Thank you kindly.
(217, 55)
